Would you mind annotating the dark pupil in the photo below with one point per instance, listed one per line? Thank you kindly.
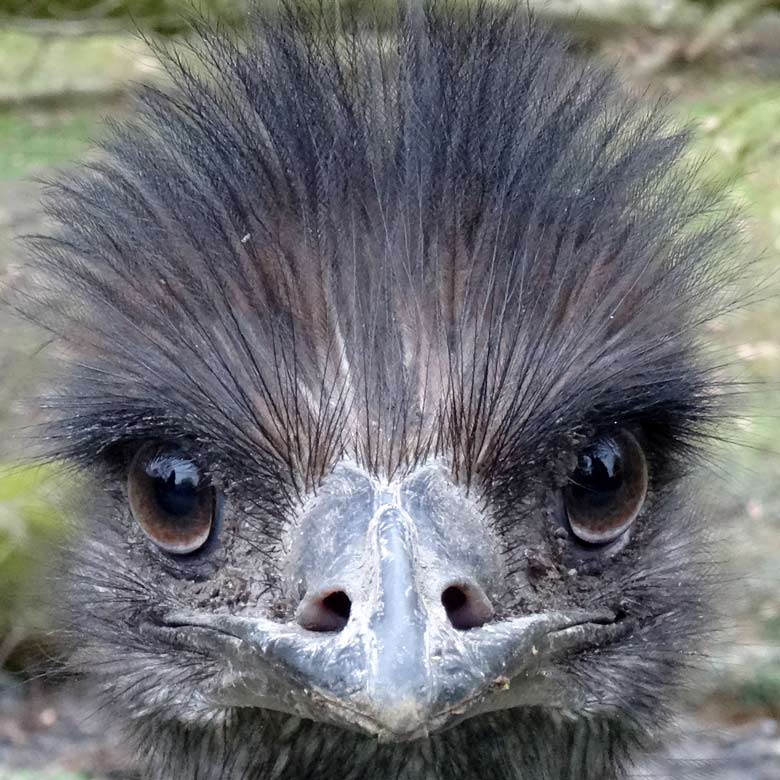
(599, 470)
(175, 485)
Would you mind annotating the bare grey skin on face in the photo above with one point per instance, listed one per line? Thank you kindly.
(384, 353)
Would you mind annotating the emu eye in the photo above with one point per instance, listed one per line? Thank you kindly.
(170, 499)
(607, 489)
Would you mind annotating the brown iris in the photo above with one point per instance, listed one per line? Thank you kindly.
(170, 499)
(607, 488)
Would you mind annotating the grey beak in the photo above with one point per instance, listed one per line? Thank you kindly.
(398, 680)
(394, 659)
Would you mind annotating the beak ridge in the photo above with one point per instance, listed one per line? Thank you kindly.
(398, 688)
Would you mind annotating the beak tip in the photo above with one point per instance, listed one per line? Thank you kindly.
(402, 720)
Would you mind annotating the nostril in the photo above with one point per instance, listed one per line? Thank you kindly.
(339, 604)
(326, 612)
(453, 599)
(466, 606)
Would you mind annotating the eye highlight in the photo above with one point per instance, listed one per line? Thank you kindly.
(607, 488)
(170, 499)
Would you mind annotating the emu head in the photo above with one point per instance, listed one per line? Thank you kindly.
(382, 352)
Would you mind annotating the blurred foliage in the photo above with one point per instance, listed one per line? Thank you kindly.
(738, 124)
(92, 9)
(162, 15)
(41, 140)
(82, 17)
(166, 15)
(27, 62)
(761, 691)
(30, 525)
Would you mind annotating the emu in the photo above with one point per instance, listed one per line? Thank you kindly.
(383, 354)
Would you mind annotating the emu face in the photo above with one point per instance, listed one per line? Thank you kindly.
(383, 354)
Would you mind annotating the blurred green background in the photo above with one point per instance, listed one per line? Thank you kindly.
(64, 65)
